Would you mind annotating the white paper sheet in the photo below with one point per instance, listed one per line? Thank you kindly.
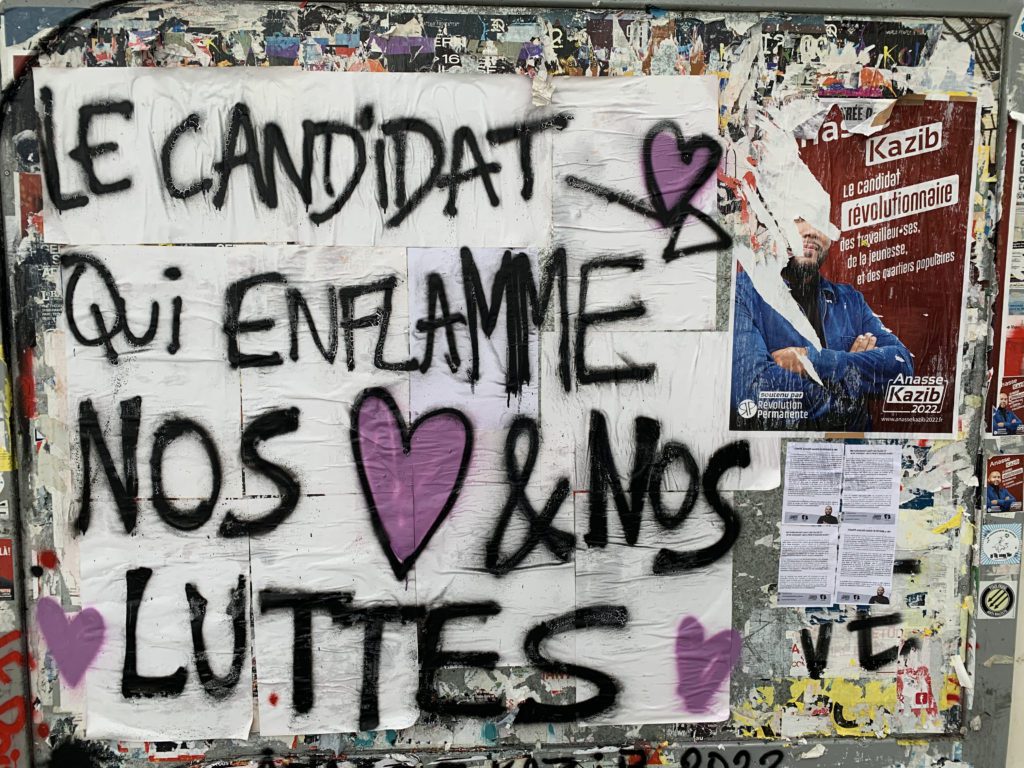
(304, 343)
(866, 555)
(807, 565)
(814, 483)
(871, 484)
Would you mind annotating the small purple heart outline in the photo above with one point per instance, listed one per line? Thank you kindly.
(702, 664)
(73, 644)
(676, 168)
(410, 476)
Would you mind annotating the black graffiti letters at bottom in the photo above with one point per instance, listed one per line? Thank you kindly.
(693, 758)
(433, 656)
(592, 617)
(219, 686)
(868, 659)
(816, 654)
(303, 605)
(134, 685)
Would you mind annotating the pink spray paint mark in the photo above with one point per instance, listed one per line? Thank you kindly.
(676, 169)
(410, 477)
(703, 664)
(73, 644)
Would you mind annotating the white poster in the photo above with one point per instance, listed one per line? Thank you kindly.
(299, 394)
(871, 484)
(807, 565)
(471, 442)
(814, 483)
(866, 556)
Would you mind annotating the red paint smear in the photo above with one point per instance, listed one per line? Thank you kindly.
(43, 730)
(273, 699)
(48, 558)
(27, 385)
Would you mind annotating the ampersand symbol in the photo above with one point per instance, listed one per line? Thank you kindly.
(559, 542)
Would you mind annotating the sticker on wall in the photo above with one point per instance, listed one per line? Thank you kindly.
(6, 569)
(1000, 544)
(997, 600)
(1004, 484)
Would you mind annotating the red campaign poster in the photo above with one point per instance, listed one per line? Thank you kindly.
(30, 202)
(888, 283)
(1008, 336)
(1003, 255)
(6, 569)
(1004, 484)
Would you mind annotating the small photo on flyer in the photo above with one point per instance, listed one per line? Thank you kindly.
(1004, 484)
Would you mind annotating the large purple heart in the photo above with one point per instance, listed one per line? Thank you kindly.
(702, 664)
(73, 644)
(410, 477)
(676, 168)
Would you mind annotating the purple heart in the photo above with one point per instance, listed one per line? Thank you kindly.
(73, 644)
(410, 477)
(677, 168)
(702, 664)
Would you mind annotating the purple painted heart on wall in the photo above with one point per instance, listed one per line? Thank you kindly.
(410, 477)
(676, 168)
(72, 644)
(703, 664)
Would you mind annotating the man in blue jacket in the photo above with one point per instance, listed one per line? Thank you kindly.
(1004, 421)
(858, 357)
(998, 498)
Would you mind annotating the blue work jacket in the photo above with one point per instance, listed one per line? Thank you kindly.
(849, 378)
(999, 499)
(1004, 422)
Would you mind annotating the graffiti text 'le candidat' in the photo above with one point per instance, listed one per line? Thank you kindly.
(264, 153)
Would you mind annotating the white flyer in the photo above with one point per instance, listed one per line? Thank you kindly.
(866, 555)
(807, 565)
